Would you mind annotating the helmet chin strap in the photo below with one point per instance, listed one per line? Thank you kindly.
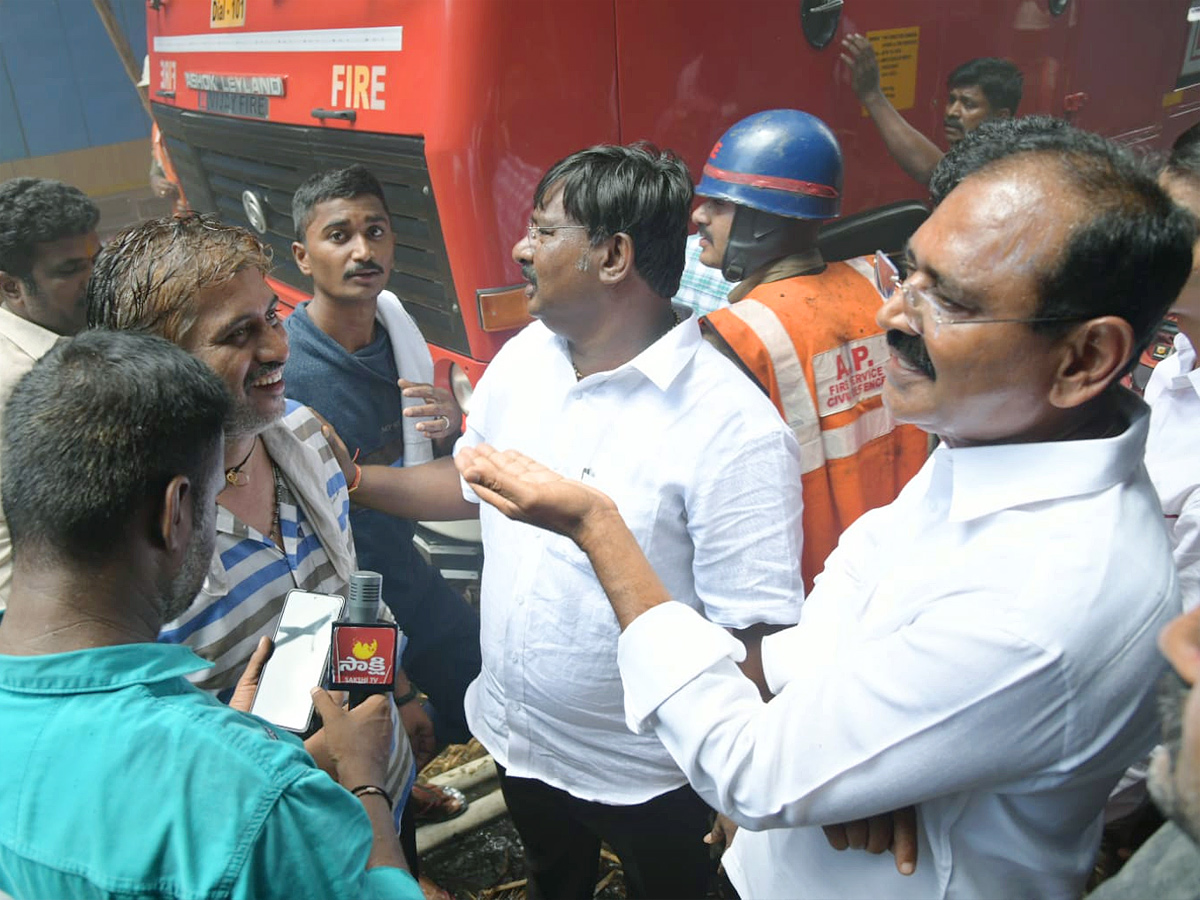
(755, 239)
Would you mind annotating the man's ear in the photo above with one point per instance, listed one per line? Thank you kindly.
(174, 530)
(12, 290)
(1094, 354)
(300, 253)
(617, 264)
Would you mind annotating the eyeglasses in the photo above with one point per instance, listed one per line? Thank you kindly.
(537, 232)
(888, 280)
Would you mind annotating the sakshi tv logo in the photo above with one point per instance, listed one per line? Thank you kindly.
(365, 654)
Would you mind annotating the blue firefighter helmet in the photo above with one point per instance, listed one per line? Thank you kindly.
(782, 161)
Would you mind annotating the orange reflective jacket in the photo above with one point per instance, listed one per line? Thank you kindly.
(812, 343)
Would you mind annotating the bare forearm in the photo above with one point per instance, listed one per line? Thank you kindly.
(621, 567)
(916, 154)
(385, 847)
(428, 491)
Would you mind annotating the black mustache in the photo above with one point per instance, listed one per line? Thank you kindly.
(528, 273)
(952, 123)
(368, 269)
(911, 348)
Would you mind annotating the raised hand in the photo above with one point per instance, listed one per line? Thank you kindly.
(527, 491)
(859, 56)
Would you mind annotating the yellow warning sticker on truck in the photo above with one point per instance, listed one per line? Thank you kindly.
(896, 50)
(227, 14)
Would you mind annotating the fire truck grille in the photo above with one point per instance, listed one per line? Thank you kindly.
(218, 158)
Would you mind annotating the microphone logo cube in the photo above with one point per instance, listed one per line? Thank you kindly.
(364, 656)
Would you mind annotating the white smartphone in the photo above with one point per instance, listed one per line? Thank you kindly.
(302, 641)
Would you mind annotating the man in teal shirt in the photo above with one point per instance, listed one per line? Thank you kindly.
(123, 779)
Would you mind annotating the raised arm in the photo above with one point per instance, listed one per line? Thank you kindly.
(791, 762)
(913, 152)
(430, 491)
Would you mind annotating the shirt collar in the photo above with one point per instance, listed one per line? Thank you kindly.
(1185, 358)
(32, 338)
(659, 363)
(98, 669)
(987, 480)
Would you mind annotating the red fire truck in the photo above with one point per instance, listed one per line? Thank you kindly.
(458, 106)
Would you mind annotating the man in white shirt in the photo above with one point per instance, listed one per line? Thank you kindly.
(615, 386)
(47, 245)
(1173, 392)
(983, 647)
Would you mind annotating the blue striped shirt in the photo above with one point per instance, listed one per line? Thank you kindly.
(249, 576)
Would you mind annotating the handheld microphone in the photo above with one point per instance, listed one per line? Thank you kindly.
(363, 658)
(365, 590)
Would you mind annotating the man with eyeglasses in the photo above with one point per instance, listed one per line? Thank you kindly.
(983, 647)
(802, 328)
(614, 386)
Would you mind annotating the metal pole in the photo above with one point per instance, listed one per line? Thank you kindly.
(133, 68)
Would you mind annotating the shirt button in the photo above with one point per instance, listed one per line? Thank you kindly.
(515, 657)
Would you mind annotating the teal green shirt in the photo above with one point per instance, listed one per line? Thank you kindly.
(123, 780)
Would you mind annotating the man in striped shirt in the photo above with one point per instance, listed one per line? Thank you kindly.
(282, 519)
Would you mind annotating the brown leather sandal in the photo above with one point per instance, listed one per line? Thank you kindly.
(434, 803)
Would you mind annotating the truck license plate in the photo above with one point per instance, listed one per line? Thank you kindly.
(227, 13)
(249, 106)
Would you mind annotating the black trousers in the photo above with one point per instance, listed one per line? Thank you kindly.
(660, 842)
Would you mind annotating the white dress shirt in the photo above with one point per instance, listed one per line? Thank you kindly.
(983, 647)
(1173, 458)
(707, 476)
(22, 343)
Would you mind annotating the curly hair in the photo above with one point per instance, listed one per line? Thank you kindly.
(149, 276)
(36, 211)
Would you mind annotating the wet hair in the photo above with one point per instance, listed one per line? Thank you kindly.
(36, 211)
(1130, 251)
(149, 277)
(999, 80)
(1184, 160)
(334, 184)
(96, 429)
(637, 190)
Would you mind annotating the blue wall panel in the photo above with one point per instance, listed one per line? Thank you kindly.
(12, 139)
(64, 78)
